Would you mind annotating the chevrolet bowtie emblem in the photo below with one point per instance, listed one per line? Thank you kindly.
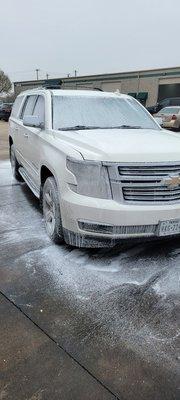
(172, 181)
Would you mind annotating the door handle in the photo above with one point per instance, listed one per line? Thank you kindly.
(16, 128)
(26, 135)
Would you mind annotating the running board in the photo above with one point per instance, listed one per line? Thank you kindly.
(29, 182)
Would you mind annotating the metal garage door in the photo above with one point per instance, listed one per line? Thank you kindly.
(169, 90)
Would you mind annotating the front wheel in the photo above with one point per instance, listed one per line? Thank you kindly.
(51, 211)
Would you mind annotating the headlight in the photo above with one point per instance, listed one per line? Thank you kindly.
(91, 178)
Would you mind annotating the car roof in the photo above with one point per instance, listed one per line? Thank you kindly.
(173, 109)
(169, 107)
(75, 92)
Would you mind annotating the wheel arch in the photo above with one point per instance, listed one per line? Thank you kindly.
(10, 144)
(45, 173)
(10, 141)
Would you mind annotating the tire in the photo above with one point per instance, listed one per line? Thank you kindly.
(51, 211)
(15, 165)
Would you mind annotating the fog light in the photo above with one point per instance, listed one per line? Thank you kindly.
(94, 227)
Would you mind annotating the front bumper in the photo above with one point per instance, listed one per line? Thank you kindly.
(121, 221)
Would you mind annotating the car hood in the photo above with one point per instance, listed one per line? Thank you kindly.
(125, 145)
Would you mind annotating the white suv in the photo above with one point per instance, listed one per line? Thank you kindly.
(103, 168)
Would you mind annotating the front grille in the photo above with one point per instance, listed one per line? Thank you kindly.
(149, 170)
(145, 183)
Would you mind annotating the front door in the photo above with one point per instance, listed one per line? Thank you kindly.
(24, 131)
(34, 140)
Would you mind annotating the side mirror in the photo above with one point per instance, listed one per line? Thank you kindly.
(33, 121)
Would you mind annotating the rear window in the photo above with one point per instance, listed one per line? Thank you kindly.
(170, 110)
(16, 107)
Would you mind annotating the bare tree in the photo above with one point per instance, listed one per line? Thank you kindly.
(5, 83)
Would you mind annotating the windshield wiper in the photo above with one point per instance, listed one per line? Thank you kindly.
(84, 127)
(78, 128)
(127, 127)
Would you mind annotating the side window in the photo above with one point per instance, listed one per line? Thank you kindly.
(16, 107)
(39, 108)
(175, 102)
(28, 106)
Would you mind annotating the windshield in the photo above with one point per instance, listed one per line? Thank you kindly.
(95, 112)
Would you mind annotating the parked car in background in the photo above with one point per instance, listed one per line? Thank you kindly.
(169, 118)
(5, 111)
(171, 101)
(102, 167)
(1, 106)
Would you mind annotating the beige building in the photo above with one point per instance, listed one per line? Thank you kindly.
(148, 86)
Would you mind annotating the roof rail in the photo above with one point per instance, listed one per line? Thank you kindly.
(98, 89)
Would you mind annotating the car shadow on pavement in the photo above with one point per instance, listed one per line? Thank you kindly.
(30, 197)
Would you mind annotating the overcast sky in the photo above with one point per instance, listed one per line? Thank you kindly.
(92, 36)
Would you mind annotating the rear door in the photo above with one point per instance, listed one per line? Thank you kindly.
(15, 125)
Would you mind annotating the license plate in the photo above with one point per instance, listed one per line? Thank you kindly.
(167, 228)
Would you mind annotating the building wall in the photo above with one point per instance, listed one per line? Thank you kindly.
(110, 86)
(126, 86)
(22, 86)
(127, 82)
(129, 85)
(150, 85)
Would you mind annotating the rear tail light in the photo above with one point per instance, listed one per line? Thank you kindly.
(174, 117)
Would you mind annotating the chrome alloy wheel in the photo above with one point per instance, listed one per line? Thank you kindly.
(49, 212)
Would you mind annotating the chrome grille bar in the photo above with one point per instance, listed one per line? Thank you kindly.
(145, 183)
(149, 170)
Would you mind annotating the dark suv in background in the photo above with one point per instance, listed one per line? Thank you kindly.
(171, 101)
(5, 111)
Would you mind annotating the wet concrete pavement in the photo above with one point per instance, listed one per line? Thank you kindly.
(33, 366)
(112, 316)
